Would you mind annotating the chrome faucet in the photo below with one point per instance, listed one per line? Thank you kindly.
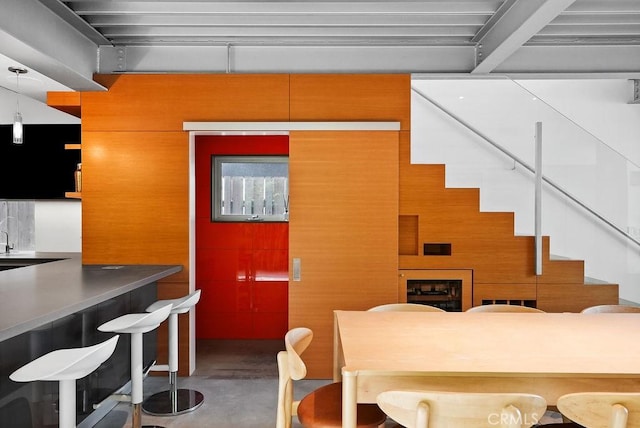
(7, 247)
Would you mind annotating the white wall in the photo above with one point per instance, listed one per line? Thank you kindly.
(506, 112)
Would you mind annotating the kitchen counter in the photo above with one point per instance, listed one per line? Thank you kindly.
(53, 301)
(34, 295)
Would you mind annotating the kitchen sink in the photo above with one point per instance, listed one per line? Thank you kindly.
(18, 262)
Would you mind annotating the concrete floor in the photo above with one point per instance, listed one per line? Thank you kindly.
(239, 381)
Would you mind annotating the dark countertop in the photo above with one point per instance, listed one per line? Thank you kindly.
(34, 295)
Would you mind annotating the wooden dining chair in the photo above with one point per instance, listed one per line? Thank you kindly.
(503, 308)
(405, 307)
(611, 309)
(321, 407)
(600, 409)
(427, 409)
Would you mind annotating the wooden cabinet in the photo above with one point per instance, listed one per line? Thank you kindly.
(449, 289)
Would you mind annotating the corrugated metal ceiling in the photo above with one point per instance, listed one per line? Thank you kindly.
(385, 22)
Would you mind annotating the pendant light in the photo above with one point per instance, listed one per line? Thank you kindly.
(17, 118)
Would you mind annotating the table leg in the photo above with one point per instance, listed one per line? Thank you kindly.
(349, 400)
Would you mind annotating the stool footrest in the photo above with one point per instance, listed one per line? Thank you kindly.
(168, 403)
(114, 397)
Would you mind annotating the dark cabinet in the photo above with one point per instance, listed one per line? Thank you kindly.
(33, 404)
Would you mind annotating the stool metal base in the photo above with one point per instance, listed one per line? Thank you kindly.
(136, 418)
(171, 403)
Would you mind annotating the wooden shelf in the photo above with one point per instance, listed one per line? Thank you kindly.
(77, 146)
(73, 195)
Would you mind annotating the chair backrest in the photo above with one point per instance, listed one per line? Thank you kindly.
(617, 309)
(426, 409)
(290, 367)
(602, 409)
(405, 307)
(503, 308)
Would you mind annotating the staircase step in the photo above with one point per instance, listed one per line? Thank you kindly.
(557, 257)
(589, 281)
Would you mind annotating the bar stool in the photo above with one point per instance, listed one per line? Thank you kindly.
(66, 366)
(135, 325)
(174, 401)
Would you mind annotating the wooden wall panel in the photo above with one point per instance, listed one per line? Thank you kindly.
(135, 186)
(575, 297)
(557, 270)
(343, 227)
(380, 97)
(562, 271)
(160, 102)
(135, 203)
(497, 260)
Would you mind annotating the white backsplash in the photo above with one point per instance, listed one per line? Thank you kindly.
(18, 219)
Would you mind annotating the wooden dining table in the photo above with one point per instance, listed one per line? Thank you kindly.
(549, 354)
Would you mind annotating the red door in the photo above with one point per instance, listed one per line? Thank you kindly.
(241, 268)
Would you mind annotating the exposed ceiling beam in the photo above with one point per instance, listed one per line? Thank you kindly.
(621, 61)
(517, 25)
(250, 20)
(287, 59)
(268, 32)
(573, 59)
(69, 58)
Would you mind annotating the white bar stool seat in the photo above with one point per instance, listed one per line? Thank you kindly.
(174, 401)
(66, 366)
(135, 325)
